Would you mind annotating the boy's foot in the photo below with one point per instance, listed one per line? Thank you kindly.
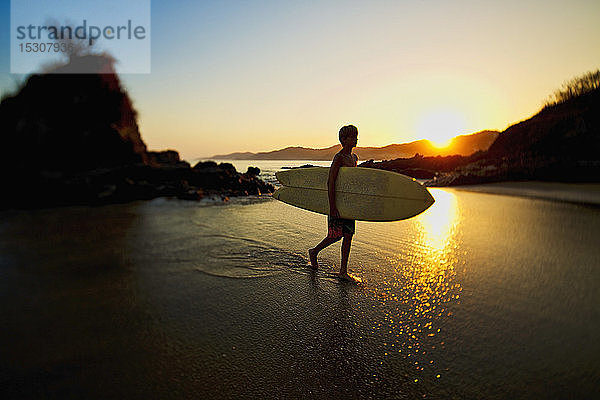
(312, 254)
(347, 277)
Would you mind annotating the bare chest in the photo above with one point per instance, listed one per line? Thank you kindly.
(348, 160)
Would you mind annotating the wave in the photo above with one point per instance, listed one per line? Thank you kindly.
(238, 257)
(245, 258)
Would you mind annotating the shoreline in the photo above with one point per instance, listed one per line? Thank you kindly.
(578, 193)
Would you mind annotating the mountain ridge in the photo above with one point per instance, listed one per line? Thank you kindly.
(460, 145)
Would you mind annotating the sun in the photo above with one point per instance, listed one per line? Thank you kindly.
(440, 126)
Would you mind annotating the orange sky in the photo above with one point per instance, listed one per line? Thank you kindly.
(263, 75)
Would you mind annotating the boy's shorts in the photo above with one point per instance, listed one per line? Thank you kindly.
(337, 227)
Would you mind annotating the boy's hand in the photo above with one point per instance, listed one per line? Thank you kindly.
(333, 212)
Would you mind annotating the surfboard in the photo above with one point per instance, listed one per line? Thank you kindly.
(365, 194)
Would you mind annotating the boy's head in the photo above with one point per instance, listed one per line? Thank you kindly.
(348, 132)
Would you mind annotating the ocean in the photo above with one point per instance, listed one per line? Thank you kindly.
(483, 296)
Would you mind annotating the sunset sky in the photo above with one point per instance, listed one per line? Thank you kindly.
(261, 75)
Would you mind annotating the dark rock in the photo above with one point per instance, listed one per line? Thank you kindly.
(72, 122)
(418, 173)
(205, 165)
(253, 171)
(167, 157)
(228, 168)
(83, 146)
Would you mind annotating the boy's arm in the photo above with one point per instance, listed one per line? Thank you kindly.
(333, 173)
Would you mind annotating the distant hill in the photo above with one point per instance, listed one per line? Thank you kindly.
(460, 145)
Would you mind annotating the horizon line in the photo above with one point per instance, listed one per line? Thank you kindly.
(337, 144)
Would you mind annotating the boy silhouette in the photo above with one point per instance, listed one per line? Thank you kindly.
(337, 227)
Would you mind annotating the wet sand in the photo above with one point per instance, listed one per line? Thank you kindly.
(481, 297)
(581, 193)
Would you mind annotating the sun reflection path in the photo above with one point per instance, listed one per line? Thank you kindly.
(423, 284)
(439, 222)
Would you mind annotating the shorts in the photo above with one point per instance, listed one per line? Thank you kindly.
(338, 227)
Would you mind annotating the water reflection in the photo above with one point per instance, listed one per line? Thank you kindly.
(438, 222)
(416, 296)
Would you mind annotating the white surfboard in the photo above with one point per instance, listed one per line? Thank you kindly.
(366, 194)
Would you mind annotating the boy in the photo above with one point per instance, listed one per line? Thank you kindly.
(337, 227)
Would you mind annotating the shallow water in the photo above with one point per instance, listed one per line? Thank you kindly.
(268, 168)
(481, 296)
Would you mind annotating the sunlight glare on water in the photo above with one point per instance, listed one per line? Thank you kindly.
(438, 222)
(422, 283)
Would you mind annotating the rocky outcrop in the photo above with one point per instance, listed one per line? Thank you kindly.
(74, 139)
(165, 158)
(418, 166)
(124, 183)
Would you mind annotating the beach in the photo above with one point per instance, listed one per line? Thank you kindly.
(577, 193)
(481, 296)
(148, 250)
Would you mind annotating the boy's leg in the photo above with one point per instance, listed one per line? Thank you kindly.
(312, 253)
(345, 253)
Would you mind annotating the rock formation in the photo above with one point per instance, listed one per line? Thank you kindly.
(73, 139)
